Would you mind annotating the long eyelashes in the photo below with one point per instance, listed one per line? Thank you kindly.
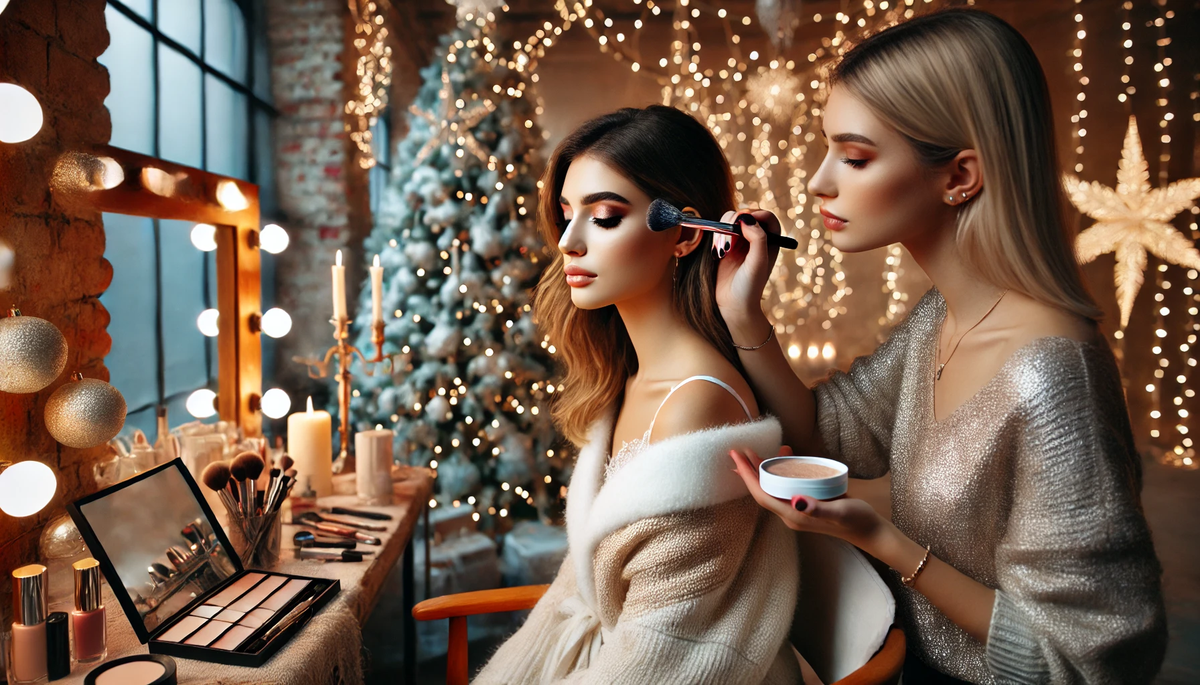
(856, 163)
(607, 221)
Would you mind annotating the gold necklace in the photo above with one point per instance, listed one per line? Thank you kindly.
(942, 364)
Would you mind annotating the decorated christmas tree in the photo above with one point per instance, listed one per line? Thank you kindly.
(469, 390)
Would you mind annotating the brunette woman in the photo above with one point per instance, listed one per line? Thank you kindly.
(673, 573)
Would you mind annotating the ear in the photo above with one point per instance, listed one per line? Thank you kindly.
(964, 178)
(689, 238)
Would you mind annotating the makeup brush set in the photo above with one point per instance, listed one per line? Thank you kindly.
(253, 511)
(333, 534)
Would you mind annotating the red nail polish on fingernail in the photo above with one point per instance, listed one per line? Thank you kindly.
(799, 503)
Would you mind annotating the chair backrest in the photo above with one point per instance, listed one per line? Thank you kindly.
(844, 610)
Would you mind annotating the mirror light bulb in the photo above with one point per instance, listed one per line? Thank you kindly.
(273, 238)
(209, 323)
(276, 403)
(204, 237)
(230, 196)
(202, 403)
(26, 488)
(22, 114)
(276, 322)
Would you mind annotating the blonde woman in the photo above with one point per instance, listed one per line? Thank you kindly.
(673, 573)
(1017, 538)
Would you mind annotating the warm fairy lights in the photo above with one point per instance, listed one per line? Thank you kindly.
(374, 71)
(1077, 119)
(765, 111)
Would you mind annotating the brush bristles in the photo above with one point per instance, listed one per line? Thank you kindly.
(250, 463)
(285, 463)
(662, 215)
(216, 476)
(238, 471)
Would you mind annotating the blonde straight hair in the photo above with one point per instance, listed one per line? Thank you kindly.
(963, 79)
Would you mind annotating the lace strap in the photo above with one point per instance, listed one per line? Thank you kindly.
(685, 381)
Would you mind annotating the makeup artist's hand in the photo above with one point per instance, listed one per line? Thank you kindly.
(852, 520)
(742, 273)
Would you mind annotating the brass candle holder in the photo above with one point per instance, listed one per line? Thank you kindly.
(319, 368)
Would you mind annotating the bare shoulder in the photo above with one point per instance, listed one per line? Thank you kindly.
(701, 404)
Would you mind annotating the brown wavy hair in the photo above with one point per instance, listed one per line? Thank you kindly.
(669, 155)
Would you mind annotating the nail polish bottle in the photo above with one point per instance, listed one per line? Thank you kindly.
(87, 620)
(28, 657)
(58, 646)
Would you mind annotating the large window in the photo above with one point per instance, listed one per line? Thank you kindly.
(381, 147)
(189, 84)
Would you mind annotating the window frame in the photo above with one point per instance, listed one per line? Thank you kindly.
(255, 106)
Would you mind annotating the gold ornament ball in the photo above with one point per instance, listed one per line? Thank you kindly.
(32, 353)
(86, 413)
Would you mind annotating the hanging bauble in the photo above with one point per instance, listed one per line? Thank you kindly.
(85, 413)
(32, 353)
(437, 409)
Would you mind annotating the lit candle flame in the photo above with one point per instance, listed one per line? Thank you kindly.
(338, 259)
(310, 407)
(376, 260)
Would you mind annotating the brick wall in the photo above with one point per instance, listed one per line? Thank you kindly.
(308, 47)
(49, 47)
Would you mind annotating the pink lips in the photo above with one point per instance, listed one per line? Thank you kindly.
(832, 221)
(578, 277)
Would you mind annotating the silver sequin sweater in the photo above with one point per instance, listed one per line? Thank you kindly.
(1031, 487)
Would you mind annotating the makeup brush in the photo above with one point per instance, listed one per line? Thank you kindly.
(216, 478)
(238, 472)
(253, 465)
(663, 215)
(268, 495)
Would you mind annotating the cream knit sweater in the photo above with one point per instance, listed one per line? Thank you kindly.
(674, 574)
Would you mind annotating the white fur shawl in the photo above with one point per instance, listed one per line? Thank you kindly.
(684, 472)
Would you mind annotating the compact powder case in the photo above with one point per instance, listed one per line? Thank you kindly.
(139, 669)
(176, 575)
(816, 477)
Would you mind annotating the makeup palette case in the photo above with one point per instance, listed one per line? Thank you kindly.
(179, 580)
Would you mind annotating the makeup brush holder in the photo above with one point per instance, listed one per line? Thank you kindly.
(256, 539)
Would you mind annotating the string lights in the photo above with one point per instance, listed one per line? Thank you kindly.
(374, 71)
(1077, 119)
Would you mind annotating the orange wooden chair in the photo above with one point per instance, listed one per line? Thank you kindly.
(882, 669)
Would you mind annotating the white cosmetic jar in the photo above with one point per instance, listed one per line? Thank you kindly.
(786, 487)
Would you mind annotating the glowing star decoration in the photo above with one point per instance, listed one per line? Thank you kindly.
(454, 124)
(1132, 220)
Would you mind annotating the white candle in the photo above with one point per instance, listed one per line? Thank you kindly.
(339, 289)
(310, 444)
(376, 292)
(373, 465)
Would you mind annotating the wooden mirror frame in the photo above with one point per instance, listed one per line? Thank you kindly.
(190, 194)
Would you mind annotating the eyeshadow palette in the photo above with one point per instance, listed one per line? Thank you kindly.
(174, 572)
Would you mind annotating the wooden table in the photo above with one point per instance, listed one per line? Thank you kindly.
(331, 642)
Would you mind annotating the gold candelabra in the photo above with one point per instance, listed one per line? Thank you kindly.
(319, 368)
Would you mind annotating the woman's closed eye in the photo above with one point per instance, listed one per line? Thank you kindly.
(856, 163)
(607, 221)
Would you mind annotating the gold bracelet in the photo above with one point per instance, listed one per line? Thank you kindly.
(907, 581)
(759, 346)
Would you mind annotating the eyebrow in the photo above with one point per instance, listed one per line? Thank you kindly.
(598, 197)
(851, 138)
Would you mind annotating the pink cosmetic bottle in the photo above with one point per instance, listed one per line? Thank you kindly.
(87, 620)
(28, 657)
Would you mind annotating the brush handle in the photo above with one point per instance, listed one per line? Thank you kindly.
(773, 239)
